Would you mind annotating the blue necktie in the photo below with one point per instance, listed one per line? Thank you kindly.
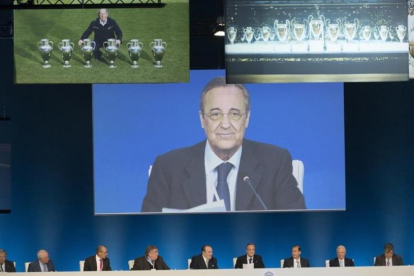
(223, 171)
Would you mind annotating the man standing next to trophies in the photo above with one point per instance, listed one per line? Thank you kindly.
(104, 28)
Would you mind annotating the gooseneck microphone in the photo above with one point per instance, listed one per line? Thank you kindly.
(247, 180)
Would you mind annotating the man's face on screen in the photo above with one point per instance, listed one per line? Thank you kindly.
(103, 15)
(2, 258)
(153, 254)
(208, 252)
(225, 120)
(250, 250)
(295, 252)
(340, 253)
(389, 254)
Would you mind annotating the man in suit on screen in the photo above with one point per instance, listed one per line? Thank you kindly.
(42, 264)
(6, 265)
(205, 260)
(388, 258)
(150, 261)
(296, 261)
(250, 258)
(340, 259)
(99, 261)
(226, 163)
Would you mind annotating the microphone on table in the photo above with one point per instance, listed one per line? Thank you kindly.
(247, 180)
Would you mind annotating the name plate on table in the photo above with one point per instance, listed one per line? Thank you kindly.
(248, 266)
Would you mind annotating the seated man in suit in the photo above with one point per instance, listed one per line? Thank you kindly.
(186, 178)
(6, 265)
(151, 260)
(99, 261)
(296, 261)
(250, 258)
(205, 260)
(42, 264)
(340, 259)
(388, 258)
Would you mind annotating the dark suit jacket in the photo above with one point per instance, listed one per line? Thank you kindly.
(335, 262)
(197, 262)
(9, 266)
(141, 263)
(396, 260)
(35, 267)
(289, 262)
(91, 265)
(178, 179)
(257, 260)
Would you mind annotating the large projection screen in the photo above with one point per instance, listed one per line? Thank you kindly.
(316, 41)
(133, 124)
(154, 45)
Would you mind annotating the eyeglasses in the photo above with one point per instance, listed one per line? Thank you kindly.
(233, 115)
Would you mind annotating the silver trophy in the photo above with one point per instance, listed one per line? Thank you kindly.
(365, 33)
(45, 47)
(111, 49)
(134, 50)
(282, 30)
(87, 48)
(401, 30)
(299, 31)
(66, 49)
(158, 49)
(231, 34)
(383, 32)
(265, 33)
(316, 27)
(248, 34)
(333, 31)
(350, 30)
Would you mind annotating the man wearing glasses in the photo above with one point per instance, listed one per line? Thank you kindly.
(246, 175)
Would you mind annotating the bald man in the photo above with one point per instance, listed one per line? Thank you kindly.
(98, 262)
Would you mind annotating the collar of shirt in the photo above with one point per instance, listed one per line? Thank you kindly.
(248, 258)
(103, 23)
(389, 261)
(205, 260)
(151, 261)
(211, 161)
(42, 266)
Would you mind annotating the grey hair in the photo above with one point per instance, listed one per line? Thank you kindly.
(41, 253)
(221, 82)
(341, 246)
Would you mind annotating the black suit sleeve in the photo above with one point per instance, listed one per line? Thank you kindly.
(137, 265)
(109, 266)
(239, 263)
(88, 31)
(163, 265)
(10, 266)
(259, 263)
(87, 265)
(31, 268)
(194, 263)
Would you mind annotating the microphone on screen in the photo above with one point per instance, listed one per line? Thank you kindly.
(247, 180)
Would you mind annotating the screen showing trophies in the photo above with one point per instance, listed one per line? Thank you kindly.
(316, 41)
(135, 45)
(284, 143)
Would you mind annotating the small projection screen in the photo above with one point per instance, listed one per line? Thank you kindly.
(149, 148)
(316, 41)
(134, 45)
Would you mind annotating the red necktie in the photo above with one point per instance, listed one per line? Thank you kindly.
(100, 265)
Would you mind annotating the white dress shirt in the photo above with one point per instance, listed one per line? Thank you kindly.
(98, 263)
(211, 161)
(295, 263)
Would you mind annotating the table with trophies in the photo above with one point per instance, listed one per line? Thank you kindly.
(315, 43)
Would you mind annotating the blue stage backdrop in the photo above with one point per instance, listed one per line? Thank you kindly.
(133, 124)
(52, 193)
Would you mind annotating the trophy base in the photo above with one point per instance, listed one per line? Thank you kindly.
(66, 65)
(112, 66)
(134, 66)
(158, 66)
(46, 65)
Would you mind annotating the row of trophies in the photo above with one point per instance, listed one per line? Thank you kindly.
(317, 29)
(135, 47)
